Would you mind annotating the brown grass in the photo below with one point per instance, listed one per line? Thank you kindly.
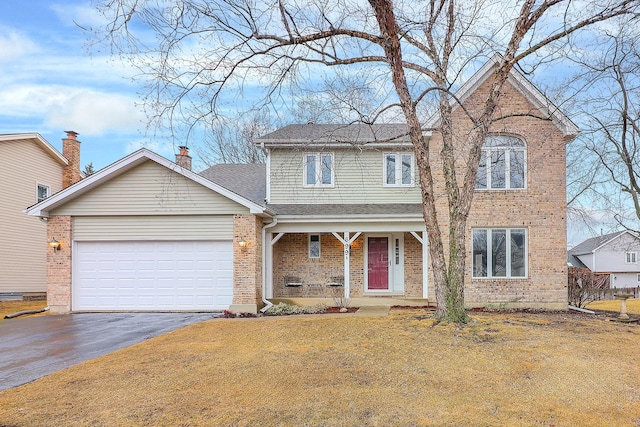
(633, 306)
(510, 369)
(11, 307)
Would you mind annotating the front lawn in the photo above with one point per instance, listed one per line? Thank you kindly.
(511, 369)
(11, 307)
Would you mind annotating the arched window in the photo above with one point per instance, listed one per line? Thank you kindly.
(502, 163)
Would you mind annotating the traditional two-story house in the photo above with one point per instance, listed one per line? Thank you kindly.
(615, 254)
(336, 211)
(32, 170)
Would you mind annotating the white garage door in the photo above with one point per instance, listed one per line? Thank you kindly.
(153, 276)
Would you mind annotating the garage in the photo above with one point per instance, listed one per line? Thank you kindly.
(152, 275)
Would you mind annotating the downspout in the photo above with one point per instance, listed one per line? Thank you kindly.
(267, 303)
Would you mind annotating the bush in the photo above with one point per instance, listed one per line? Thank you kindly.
(585, 286)
(283, 309)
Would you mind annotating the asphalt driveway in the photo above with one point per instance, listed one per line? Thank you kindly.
(33, 347)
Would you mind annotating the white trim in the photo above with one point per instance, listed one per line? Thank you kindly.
(310, 235)
(318, 169)
(268, 177)
(47, 187)
(40, 141)
(526, 88)
(489, 253)
(633, 255)
(115, 169)
(487, 151)
(398, 172)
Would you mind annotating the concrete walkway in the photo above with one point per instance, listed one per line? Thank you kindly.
(373, 311)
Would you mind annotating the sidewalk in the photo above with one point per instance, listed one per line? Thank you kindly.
(373, 311)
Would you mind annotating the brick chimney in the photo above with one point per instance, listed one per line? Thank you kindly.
(71, 151)
(183, 159)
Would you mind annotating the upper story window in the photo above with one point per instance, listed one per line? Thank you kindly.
(42, 192)
(499, 252)
(318, 170)
(398, 169)
(502, 163)
(631, 257)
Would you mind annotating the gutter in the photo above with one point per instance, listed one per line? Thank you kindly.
(267, 303)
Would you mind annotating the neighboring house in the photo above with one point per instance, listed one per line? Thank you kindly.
(32, 170)
(616, 254)
(335, 212)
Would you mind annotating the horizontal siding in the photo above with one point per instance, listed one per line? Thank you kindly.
(24, 238)
(358, 179)
(150, 189)
(157, 227)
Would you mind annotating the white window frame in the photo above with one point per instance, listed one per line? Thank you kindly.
(631, 257)
(319, 241)
(638, 278)
(38, 186)
(398, 169)
(507, 149)
(318, 170)
(489, 254)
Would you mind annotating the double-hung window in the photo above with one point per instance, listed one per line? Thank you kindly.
(318, 170)
(42, 192)
(499, 252)
(398, 170)
(502, 164)
(631, 257)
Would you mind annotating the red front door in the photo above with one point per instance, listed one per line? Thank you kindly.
(378, 260)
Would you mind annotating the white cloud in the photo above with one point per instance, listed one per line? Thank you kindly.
(165, 149)
(96, 113)
(84, 15)
(14, 45)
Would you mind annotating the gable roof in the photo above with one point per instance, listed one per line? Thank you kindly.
(337, 135)
(523, 85)
(595, 243)
(121, 166)
(246, 180)
(40, 141)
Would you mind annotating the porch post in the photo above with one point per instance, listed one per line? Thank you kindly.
(347, 269)
(425, 262)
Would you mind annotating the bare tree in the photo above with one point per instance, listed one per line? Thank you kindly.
(231, 140)
(415, 52)
(612, 137)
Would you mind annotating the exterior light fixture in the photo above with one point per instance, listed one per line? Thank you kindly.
(54, 244)
(242, 243)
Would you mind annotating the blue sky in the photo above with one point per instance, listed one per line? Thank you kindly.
(52, 83)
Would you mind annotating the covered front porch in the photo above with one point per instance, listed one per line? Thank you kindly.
(367, 262)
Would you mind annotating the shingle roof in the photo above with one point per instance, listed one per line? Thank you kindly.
(590, 244)
(347, 209)
(248, 181)
(312, 133)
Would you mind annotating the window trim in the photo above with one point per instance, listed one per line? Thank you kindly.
(507, 149)
(398, 171)
(318, 169)
(309, 240)
(38, 186)
(633, 255)
(489, 273)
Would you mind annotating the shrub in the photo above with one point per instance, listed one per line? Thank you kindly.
(283, 309)
(585, 286)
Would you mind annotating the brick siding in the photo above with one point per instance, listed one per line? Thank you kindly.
(59, 264)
